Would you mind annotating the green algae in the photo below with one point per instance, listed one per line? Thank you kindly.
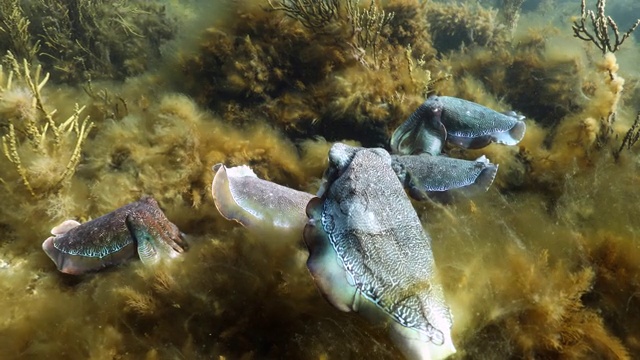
(544, 265)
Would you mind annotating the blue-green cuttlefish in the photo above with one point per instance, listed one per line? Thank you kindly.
(457, 121)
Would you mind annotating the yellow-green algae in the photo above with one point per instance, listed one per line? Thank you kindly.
(544, 265)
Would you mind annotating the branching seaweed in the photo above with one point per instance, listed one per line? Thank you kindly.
(510, 13)
(313, 14)
(45, 137)
(79, 39)
(599, 34)
(366, 23)
(14, 27)
(631, 137)
(600, 24)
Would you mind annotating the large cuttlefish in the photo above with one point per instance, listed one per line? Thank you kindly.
(367, 249)
(369, 253)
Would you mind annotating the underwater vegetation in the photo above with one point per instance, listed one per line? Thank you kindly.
(543, 265)
(82, 40)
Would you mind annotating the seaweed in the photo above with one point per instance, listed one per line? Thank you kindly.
(600, 24)
(80, 40)
(245, 74)
(453, 26)
(630, 138)
(32, 132)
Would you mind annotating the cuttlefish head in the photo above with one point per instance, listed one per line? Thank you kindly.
(340, 156)
(423, 132)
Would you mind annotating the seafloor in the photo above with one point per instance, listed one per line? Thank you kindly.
(545, 265)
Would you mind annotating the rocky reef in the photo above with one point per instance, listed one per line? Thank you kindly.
(544, 265)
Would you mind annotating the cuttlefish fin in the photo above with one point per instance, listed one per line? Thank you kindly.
(471, 142)
(323, 263)
(64, 227)
(513, 135)
(223, 197)
(487, 175)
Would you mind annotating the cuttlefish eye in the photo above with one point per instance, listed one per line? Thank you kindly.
(422, 132)
(340, 156)
(434, 107)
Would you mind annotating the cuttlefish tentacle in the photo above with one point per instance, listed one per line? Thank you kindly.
(423, 132)
(154, 240)
(423, 175)
(256, 203)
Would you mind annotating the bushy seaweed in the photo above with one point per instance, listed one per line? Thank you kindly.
(81, 40)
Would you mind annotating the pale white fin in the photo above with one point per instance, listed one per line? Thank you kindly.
(240, 171)
(64, 227)
(483, 159)
(513, 136)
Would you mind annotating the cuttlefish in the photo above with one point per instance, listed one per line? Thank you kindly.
(136, 229)
(369, 253)
(460, 122)
(258, 204)
(427, 176)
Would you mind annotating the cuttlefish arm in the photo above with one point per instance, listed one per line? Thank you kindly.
(422, 132)
(424, 175)
(256, 203)
(473, 126)
(155, 236)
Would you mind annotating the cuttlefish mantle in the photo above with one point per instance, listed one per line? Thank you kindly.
(369, 253)
(256, 203)
(427, 175)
